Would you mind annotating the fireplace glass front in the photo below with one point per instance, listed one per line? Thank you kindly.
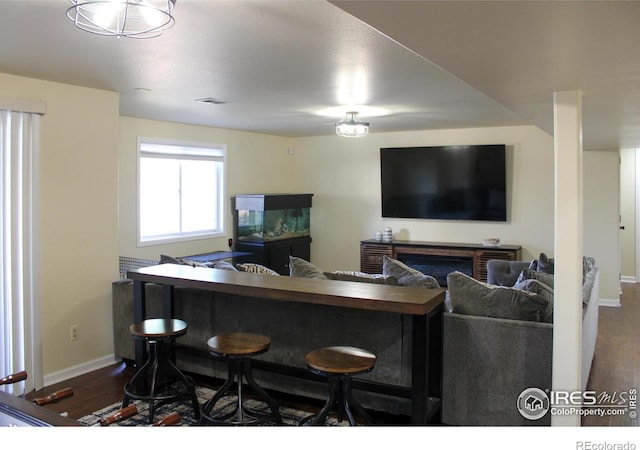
(438, 266)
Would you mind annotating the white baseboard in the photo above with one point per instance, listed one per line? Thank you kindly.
(611, 302)
(90, 366)
(627, 279)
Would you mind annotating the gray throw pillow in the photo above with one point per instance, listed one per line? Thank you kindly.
(472, 297)
(535, 286)
(407, 276)
(588, 263)
(543, 277)
(225, 265)
(421, 281)
(301, 268)
(256, 268)
(345, 275)
(165, 259)
(545, 264)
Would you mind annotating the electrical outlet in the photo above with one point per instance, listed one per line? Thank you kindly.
(75, 332)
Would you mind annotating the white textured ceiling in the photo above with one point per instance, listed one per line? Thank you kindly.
(280, 65)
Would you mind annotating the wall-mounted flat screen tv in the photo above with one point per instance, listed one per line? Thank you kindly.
(465, 182)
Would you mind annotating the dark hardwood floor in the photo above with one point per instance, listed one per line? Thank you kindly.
(91, 391)
(616, 368)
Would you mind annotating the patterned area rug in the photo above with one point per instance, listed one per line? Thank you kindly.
(290, 417)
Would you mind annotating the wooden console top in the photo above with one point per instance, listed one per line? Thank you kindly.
(442, 245)
(398, 299)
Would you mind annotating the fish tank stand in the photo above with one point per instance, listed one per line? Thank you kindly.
(272, 227)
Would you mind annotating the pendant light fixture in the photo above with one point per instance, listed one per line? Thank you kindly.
(351, 126)
(139, 19)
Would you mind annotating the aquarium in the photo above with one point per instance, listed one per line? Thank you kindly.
(264, 218)
(275, 225)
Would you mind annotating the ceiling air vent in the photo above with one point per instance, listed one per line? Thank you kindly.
(213, 101)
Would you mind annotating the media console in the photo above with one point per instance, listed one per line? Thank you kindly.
(437, 259)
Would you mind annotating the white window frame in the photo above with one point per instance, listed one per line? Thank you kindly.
(185, 150)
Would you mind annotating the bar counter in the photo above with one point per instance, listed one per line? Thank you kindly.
(375, 297)
(422, 307)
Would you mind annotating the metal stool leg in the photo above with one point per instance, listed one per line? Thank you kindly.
(224, 391)
(139, 378)
(273, 405)
(341, 402)
(239, 369)
(334, 394)
(352, 404)
(189, 386)
(156, 374)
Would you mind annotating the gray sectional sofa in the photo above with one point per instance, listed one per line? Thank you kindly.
(489, 361)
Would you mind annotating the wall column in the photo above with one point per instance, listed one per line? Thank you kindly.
(568, 233)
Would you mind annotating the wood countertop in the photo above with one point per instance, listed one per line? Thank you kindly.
(348, 294)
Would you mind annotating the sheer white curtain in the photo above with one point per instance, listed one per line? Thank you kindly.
(20, 327)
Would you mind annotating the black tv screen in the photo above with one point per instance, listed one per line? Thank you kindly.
(448, 183)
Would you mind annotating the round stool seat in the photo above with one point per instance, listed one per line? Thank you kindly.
(159, 380)
(237, 349)
(339, 364)
(159, 328)
(341, 360)
(238, 344)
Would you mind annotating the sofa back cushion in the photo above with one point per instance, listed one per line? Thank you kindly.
(302, 268)
(407, 276)
(504, 273)
(472, 297)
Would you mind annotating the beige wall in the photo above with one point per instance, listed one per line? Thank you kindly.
(601, 197)
(78, 229)
(344, 176)
(628, 213)
(256, 163)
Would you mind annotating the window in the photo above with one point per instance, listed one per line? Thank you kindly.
(180, 191)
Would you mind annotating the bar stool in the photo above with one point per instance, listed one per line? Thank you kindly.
(159, 381)
(338, 364)
(238, 349)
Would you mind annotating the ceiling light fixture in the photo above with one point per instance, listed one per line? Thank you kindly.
(139, 19)
(351, 126)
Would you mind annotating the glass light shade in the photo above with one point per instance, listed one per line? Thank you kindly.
(129, 18)
(350, 126)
